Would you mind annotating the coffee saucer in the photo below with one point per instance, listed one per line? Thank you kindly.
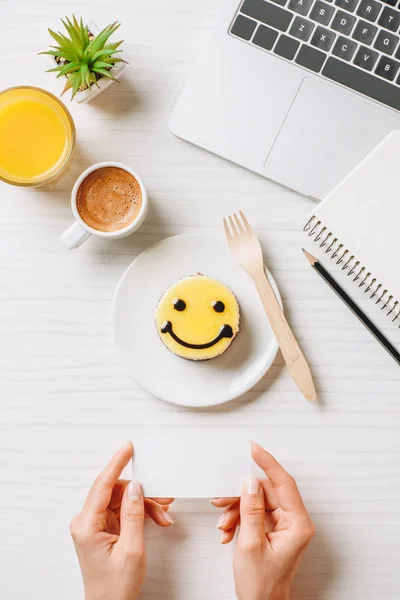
(151, 364)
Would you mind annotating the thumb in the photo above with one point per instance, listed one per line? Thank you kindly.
(252, 514)
(132, 519)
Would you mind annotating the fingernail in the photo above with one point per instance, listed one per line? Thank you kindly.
(253, 485)
(257, 445)
(224, 537)
(168, 518)
(135, 491)
(126, 445)
(213, 500)
(221, 521)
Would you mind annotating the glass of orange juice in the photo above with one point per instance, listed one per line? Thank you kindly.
(37, 136)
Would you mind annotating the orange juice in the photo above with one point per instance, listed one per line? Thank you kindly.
(37, 136)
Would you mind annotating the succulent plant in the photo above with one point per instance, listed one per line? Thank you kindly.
(82, 58)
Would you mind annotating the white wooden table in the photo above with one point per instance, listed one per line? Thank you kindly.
(66, 403)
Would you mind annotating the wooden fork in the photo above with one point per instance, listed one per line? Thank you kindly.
(246, 248)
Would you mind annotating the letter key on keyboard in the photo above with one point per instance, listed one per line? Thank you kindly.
(267, 13)
(366, 58)
(386, 42)
(364, 32)
(323, 38)
(344, 48)
(349, 5)
(343, 22)
(369, 9)
(301, 29)
(390, 19)
(300, 6)
(322, 12)
(387, 68)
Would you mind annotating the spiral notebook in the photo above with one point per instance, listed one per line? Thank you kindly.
(356, 231)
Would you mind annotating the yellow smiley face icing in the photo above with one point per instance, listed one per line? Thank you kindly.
(197, 318)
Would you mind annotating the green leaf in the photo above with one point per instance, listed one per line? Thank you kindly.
(104, 53)
(75, 83)
(100, 40)
(105, 73)
(84, 70)
(80, 28)
(93, 79)
(69, 68)
(64, 44)
(113, 46)
(57, 68)
(114, 59)
(56, 36)
(99, 64)
(85, 31)
(51, 52)
(74, 35)
(89, 83)
(68, 85)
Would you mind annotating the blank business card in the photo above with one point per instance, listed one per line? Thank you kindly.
(191, 462)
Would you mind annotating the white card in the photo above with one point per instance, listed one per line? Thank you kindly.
(191, 462)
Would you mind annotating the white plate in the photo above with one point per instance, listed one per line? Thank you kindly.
(151, 364)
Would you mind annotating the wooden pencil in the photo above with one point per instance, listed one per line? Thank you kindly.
(355, 309)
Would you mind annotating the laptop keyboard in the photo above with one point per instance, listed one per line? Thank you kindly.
(352, 42)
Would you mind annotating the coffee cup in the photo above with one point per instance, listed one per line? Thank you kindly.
(109, 201)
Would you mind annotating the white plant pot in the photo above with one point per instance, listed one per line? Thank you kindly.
(103, 82)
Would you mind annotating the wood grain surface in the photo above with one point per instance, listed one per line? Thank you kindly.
(66, 403)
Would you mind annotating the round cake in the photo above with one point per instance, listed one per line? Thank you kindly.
(197, 318)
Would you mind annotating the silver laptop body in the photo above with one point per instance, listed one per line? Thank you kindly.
(298, 91)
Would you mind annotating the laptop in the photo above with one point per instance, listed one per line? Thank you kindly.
(299, 91)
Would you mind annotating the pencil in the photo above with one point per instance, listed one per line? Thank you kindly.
(355, 309)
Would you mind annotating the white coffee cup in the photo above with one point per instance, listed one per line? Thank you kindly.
(80, 231)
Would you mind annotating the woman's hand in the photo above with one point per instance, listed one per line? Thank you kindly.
(108, 533)
(275, 529)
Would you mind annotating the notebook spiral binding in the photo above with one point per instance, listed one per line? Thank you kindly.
(323, 237)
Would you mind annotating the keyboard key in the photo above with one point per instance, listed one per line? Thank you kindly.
(265, 37)
(301, 29)
(366, 58)
(310, 58)
(369, 9)
(281, 2)
(300, 6)
(349, 5)
(267, 13)
(322, 12)
(344, 48)
(362, 82)
(364, 32)
(391, 2)
(387, 68)
(286, 47)
(243, 27)
(390, 19)
(323, 39)
(386, 42)
(343, 22)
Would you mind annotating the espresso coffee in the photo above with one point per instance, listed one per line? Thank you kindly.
(109, 199)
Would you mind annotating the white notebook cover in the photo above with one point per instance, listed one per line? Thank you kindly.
(363, 212)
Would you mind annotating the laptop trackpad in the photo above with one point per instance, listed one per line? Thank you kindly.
(326, 133)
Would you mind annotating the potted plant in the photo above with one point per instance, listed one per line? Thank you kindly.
(85, 58)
